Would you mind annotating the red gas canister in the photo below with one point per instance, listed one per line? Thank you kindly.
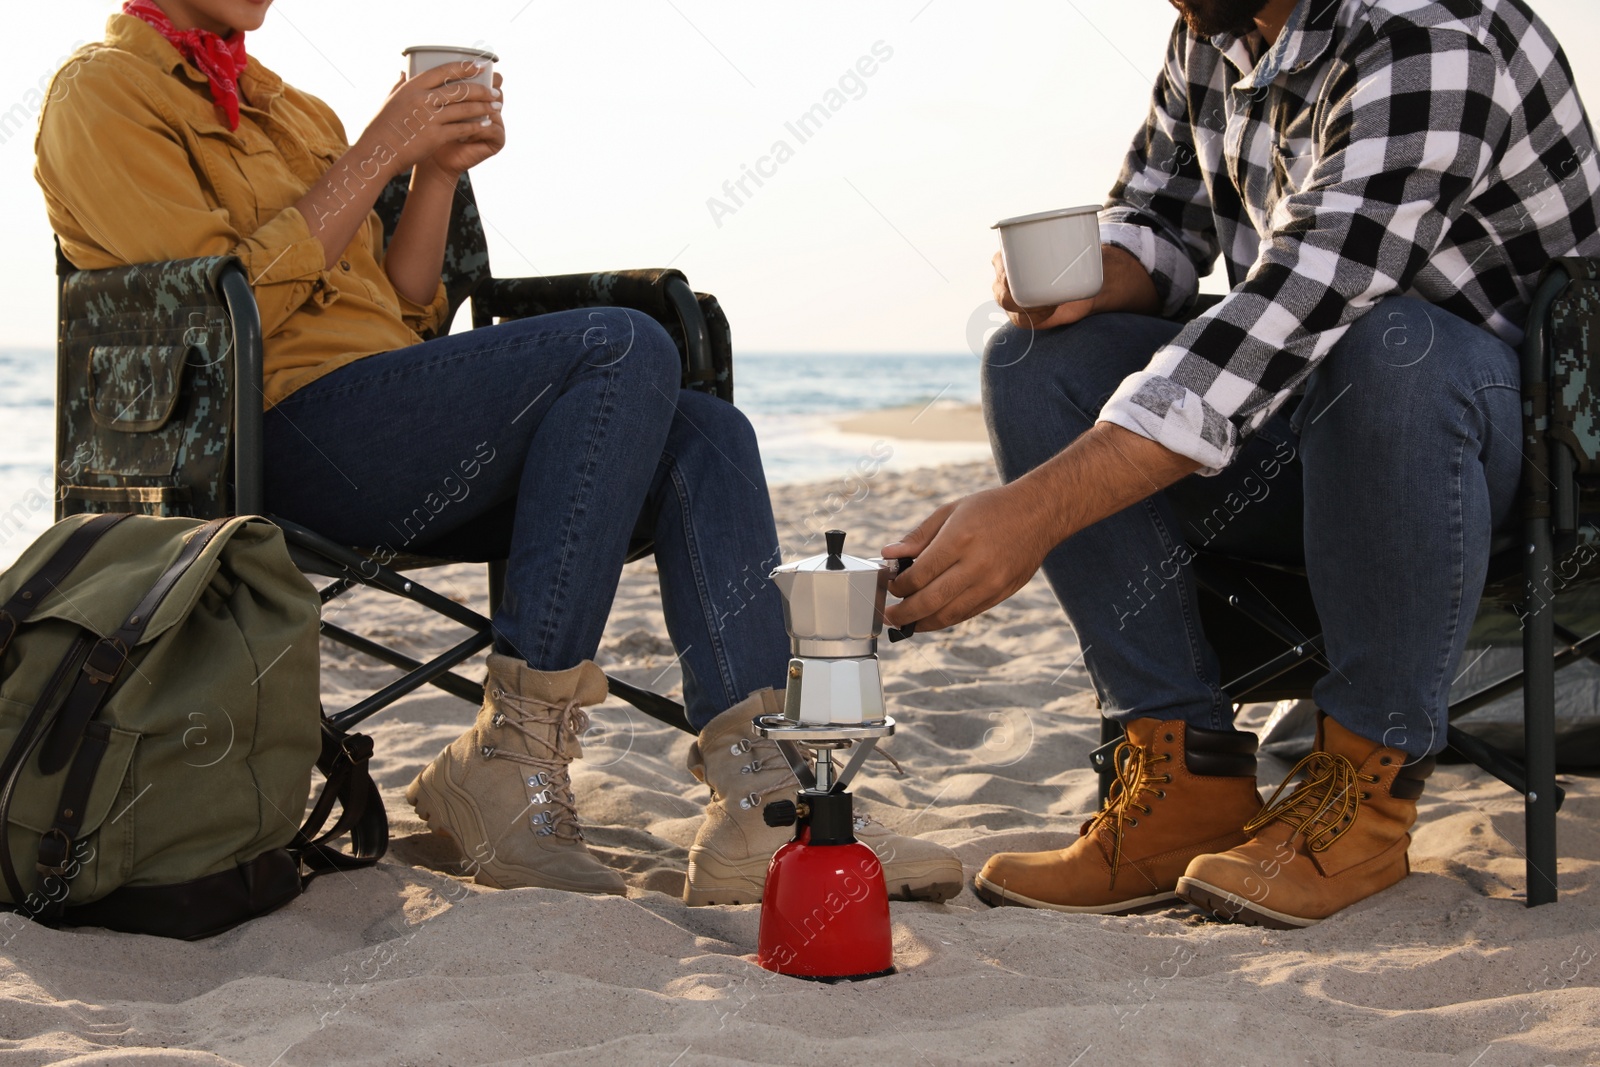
(825, 909)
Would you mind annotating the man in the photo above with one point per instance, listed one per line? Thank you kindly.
(1385, 180)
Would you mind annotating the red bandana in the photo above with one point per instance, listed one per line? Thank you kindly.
(219, 59)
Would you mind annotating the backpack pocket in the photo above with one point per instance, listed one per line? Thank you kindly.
(102, 856)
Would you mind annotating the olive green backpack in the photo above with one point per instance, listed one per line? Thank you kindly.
(160, 719)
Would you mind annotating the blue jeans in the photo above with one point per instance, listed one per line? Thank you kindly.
(1387, 481)
(551, 442)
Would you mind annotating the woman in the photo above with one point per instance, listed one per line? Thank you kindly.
(167, 141)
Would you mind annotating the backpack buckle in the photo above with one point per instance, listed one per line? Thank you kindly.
(104, 669)
(55, 847)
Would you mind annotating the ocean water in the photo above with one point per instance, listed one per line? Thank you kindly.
(792, 400)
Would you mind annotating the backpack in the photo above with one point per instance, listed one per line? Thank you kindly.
(160, 719)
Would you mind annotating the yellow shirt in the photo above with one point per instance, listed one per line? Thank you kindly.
(137, 165)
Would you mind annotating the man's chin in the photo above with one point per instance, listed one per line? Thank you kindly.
(1208, 18)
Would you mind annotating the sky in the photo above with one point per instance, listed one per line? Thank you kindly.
(632, 123)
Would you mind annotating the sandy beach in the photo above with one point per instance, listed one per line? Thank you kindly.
(406, 964)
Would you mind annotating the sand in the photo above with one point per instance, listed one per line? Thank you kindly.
(938, 421)
(405, 964)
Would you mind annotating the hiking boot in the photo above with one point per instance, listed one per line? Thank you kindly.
(1181, 791)
(502, 790)
(729, 858)
(1339, 837)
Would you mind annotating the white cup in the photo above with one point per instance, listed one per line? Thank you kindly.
(1052, 257)
(427, 56)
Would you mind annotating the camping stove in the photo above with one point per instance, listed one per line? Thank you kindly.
(825, 910)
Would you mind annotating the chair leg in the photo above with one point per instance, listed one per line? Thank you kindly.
(1539, 717)
(1104, 758)
(497, 584)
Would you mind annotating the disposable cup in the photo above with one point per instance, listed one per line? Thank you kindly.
(427, 56)
(1052, 257)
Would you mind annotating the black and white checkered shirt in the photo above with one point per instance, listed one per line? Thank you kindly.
(1426, 148)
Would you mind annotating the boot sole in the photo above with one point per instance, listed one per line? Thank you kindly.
(1001, 897)
(1228, 907)
(715, 884)
(443, 808)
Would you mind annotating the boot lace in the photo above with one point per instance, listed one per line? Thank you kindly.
(550, 784)
(1133, 778)
(763, 753)
(1324, 806)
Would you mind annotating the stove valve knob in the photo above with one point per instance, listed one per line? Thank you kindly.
(784, 812)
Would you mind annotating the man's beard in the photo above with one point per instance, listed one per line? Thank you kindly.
(1207, 18)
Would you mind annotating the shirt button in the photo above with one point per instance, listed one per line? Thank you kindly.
(344, 264)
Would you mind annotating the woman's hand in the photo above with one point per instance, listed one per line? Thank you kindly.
(453, 157)
(424, 114)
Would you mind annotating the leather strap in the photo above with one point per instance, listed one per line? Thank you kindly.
(27, 738)
(51, 574)
(103, 668)
(53, 864)
(344, 763)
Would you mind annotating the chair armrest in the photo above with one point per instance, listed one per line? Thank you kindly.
(694, 320)
(198, 312)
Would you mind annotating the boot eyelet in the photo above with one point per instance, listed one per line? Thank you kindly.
(537, 780)
(740, 747)
(497, 693)
(499, 719)
(488, 751)
(1169, 739)
(1161, 794)
(1366, 796)
(1385, 761)
(1133, 822)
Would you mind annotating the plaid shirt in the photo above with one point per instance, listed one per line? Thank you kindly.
(1426, 148)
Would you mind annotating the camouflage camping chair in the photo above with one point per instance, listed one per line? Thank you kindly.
(159, 411)
(1542, 583)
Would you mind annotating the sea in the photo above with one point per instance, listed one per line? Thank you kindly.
(792, 399)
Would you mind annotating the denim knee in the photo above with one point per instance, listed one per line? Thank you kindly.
(635, 344)
(1403, 358)
(706, 423)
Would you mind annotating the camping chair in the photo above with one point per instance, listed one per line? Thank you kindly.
(1263, 624)
(159, 411)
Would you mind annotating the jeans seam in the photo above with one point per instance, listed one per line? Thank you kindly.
(548, 627)
(1439, 690)
(719, 652)
(1191, 630)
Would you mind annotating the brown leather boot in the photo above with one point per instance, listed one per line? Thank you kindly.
(1339, 837)
(1181, 791)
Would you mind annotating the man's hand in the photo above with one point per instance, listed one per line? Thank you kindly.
(1127, 287)
(971, 555)
(976, 552)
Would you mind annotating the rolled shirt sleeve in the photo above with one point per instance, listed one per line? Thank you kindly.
(1412, 128)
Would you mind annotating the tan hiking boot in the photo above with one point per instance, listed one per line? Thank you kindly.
(1181, 791)
(502, 790)
(728, 860)
(1339, 837)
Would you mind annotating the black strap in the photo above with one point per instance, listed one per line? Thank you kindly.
(103, 668)
(51, 574)
(54, 864)
(344, 763)
(26, 740)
